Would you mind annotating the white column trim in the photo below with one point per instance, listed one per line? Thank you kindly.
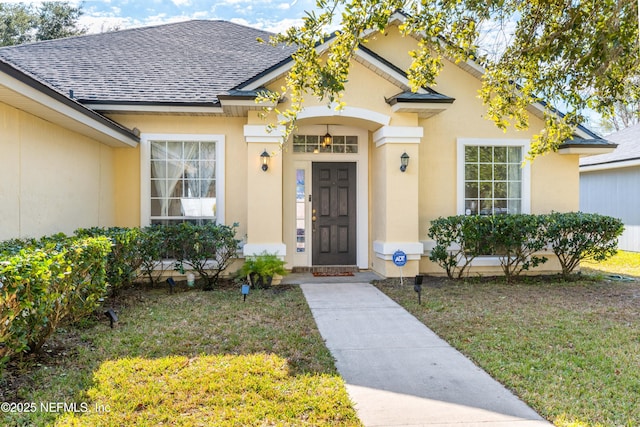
(385, 250)
(398, 135)
(260, 133)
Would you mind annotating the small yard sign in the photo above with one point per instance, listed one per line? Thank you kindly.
(399, 258)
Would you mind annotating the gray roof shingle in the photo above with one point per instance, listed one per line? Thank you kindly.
(628, 141)
(187, 62)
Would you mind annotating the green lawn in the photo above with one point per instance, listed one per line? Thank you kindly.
(571, 350)
(190, 359)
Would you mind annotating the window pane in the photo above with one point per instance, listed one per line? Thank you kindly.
(471, 172)
(486, 207)
(500, 172)
(514, 154)
(486, 190)
(500, 207)
(486, 154)
(471, 207)
(500, 154)
(471, 154)
(514, 172)
(174, 150)
(515, 190)
(514, 206)
(300, 210)
(471, 190)
(486, 172)
(500, 190)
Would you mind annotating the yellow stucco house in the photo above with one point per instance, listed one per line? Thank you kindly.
(160, 124)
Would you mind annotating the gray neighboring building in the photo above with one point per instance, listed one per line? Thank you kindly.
(610, 184)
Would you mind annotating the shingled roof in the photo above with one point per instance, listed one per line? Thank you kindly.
(628, 149)
(188, 62)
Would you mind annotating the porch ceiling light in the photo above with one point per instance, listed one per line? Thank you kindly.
(327, 138)
(404, 161)
(265, 157)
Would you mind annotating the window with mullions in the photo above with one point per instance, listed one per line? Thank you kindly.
(183, 181)
(493, 180)
(314, 144)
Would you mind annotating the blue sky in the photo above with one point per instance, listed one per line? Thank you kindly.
(270, 15)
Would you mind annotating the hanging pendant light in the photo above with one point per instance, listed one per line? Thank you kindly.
(327, 138)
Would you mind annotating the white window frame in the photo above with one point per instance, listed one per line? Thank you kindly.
(525, 144)
(145, 170)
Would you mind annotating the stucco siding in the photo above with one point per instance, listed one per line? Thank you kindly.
(128, 173)
(614, 192)
(53, 180)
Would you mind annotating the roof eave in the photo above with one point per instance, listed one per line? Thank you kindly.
(44, 101)
(587, 148)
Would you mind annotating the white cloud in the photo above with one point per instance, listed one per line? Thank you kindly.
(278, 26)
(181, 3)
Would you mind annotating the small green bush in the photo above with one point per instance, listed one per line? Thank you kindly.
(208, 249)
(516, 239)
(153, 247)
(459, 239)
(261, 269)
(578, 236)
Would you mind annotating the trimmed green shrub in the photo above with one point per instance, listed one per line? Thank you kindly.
(154, 242)
(45, 283)
(578, 236)
(459, 239)
(516, 239)
(125, 258)
(208, 249)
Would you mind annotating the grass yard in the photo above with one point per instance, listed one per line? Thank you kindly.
(571, 350)
(190, 359)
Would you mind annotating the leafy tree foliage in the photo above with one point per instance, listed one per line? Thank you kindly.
(23, 23)
(627, 113)
(570, 53)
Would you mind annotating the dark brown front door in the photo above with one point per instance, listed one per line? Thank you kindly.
(334, 213)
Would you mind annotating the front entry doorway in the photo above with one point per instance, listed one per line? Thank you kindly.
(333, 213)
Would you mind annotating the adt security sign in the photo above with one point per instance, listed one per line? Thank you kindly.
(399, 258)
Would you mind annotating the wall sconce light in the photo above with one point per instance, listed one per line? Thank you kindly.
(404, 161)
(265, 157)
(327, 138)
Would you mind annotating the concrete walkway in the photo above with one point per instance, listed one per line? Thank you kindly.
(398, 372)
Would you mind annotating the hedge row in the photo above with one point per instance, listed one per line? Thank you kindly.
(518, 240)
(44, 283)
(60, 278)
(142, 252)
